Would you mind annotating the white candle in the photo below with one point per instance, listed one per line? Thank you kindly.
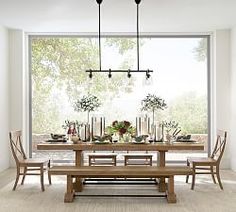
(144, 127)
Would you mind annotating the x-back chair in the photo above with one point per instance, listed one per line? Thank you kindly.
(24, 165)
(211, 164)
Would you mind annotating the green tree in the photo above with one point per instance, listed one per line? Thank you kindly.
(60, 62)
(190, 111)
(201, 50)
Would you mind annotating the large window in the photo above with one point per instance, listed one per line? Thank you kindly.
(180, 66)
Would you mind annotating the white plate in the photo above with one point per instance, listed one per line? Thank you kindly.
(138, 142)
(102, 142)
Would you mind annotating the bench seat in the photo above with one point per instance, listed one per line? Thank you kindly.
(138, 159)
(120, 171)
(96, 159)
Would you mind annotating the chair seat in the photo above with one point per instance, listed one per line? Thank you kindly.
(201, 160)
(34, 162)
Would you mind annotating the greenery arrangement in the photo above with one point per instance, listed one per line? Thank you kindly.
(87, 104)
(121, 128)
(72, 127)
(172, 126)
(153, 103)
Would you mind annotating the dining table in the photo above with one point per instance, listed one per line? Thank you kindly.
(161, 148)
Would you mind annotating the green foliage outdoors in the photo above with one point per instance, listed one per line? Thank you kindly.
(190, 111)
(62, 62)
(201, 50)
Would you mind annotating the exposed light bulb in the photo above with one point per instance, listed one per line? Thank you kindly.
(148, 79)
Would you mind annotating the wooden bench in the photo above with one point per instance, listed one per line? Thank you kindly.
(96, 159)
(122, 172)
(138, 160)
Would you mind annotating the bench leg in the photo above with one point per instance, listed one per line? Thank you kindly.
(78, 184)
(171, 196)
(69, 195)
(162, 185)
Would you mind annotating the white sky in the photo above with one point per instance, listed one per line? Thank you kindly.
(176, 71)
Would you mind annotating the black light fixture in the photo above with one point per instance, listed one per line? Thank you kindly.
(109, 71)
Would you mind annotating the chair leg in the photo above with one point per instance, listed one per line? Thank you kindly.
(218, 177)
(187, 176)
(212, 175)
(23, 178)
(49, 178)
(193, 180)
(49, 175)
(17, 178)
(41, 178)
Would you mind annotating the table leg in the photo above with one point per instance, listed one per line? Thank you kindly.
(69, 195)
(171, 196)
(162, 163)
(78, 184)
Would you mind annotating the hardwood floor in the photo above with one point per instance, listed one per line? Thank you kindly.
(206, 197)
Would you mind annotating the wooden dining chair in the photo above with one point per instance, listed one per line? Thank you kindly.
(24, 165)
(211, 164)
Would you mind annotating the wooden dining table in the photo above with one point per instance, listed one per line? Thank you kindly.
(160, 147)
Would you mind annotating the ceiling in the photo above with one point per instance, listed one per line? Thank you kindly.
(118, 15)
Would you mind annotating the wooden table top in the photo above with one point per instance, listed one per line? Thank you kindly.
(157, 146)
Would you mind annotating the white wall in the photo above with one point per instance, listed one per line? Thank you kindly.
(16, 78)
(233, 101)
(16, 67)
(4, 101)
(222, 86)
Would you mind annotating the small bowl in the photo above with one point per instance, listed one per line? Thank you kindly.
(75, 139)
(58, 136)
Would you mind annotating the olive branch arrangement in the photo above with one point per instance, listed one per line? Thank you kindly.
(87, 104)
(152, 103)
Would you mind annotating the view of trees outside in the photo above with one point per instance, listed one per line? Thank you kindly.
(59, 79)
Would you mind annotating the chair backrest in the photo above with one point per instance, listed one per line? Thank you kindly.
(16, 146)
(219, 145)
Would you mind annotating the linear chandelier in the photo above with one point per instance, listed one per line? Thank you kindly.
(110, 71)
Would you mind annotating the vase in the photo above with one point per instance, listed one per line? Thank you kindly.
(168, 138)
(121, 138)
(126, 137)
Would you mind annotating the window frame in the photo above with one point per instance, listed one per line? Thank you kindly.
(210, 76)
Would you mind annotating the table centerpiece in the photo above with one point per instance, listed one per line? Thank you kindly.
(123, 129)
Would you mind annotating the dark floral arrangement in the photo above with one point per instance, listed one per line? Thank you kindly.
(72, 127)
(121, 127)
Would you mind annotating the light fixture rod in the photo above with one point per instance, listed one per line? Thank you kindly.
(99, 35)
(115, 71)
(137, 34)
(91, 71)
